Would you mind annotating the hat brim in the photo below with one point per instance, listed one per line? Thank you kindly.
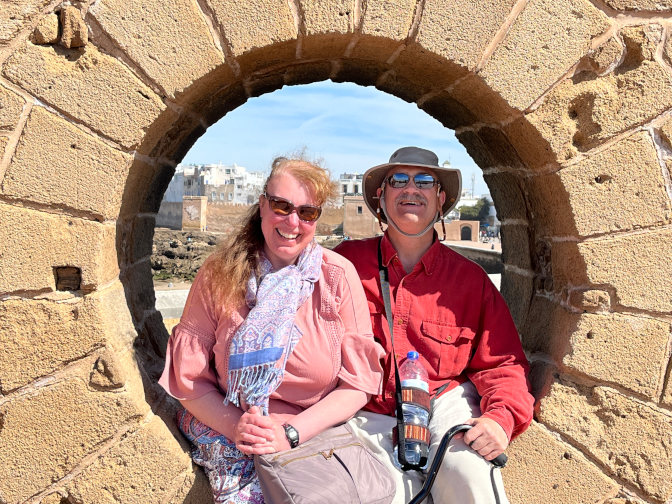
(449, 178)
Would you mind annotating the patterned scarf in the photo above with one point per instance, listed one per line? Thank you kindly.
(263, 343)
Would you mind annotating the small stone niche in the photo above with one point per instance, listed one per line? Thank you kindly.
(68, 278)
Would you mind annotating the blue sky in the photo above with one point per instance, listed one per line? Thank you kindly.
(350, 126)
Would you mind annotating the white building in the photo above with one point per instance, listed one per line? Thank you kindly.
(182, 183)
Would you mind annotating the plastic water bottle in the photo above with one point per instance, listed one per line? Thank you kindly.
(413, 374)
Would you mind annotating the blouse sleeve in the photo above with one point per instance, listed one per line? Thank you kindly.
(360, 353)
(188, 373)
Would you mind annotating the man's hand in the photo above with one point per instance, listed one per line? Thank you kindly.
(486, 437)
(254, 430)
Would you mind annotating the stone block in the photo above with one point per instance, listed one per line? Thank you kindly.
(39, 337)
(391, 19)
(107, 373)
(585, 111)
(11, 106)
(402, 87)
(618, 189)
(157, 188)
(178, 139)
(88, 85)
(75, 32)
(542, 376)
(46, 31)
(141, 240)
(667, 394)
(137, 281)
(448, 111)
(640, 5)
(140, 175)
(362, 72)
(195, 489)
(548, 327)
(606, 55)
(150, 478)
(627, 436)
(516, 246)
(265, 84)
(476, 95)
(45, 434)
(308, 73)
(507, 189)
(17, 15)
(593, 301)
(328, 26)
(538, 58)
(3, 144)
(170, 41)
(535, 150)
(85, 174)
(623, 350)
(461, 30)
(636, 266)
(543, 469)
(423, 68)
(255, 24)
(376, 49)
(550, 205)
(517, 291)
(45, 241)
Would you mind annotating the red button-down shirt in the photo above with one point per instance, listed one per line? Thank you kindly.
(447, 310)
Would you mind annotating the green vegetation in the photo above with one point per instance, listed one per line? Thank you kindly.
(479, 212)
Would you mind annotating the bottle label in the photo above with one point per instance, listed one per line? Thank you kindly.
(419, 384)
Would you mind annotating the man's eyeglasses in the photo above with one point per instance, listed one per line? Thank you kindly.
(421, 180)
(281, 206)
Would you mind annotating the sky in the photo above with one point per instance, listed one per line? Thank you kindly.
(351, 127)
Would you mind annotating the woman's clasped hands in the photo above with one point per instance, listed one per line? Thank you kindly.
(256, 434)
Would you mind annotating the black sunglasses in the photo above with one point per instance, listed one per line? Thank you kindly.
(421, 180)
(281, 206)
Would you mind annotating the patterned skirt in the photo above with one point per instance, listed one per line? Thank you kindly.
(231, 473)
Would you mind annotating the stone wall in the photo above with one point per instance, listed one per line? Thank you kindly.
(169, 215)
(564, 104)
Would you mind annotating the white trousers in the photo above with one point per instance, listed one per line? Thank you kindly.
(464, 476)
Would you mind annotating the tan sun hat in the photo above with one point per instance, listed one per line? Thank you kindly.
(449, 178)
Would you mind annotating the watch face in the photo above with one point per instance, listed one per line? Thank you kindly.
(292, 435)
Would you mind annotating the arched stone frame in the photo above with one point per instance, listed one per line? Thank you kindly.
(564, 106)
(462, 233)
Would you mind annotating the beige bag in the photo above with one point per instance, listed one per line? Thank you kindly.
(332, 468)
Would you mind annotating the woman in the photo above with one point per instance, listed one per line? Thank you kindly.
(275, 342)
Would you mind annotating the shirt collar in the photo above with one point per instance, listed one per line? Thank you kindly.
(428, 260)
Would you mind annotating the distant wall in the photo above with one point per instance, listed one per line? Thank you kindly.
(170, 215)
(489, 260)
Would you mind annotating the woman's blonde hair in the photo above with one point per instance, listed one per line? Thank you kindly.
(229, 268)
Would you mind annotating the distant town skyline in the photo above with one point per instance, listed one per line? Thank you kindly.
(352, 127)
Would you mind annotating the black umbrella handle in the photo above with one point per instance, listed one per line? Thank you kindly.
(499, 461)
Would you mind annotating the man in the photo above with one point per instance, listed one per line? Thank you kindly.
(445, 308)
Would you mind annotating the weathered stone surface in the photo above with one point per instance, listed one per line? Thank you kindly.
(18, 14)
(628, 436)
(75, 31)
(56, 427)
(507, 189)
(618, 189)
(391, 19)
(11, 106)
(549, 202)
(85, 174)
(535, 150)
(667, 394)
(623, 350)
(490, 148)
(46, 31)
(636, 266)
(517, 291)
(195, 489)
(593, 301)
(539, 57)
(584, 111)
(423, 68)
(460, 31)
(45, 241)
(448, 111)
(170, 41)
(38, 337)
(606, 55)
(3, 144)
(88, 85)
(137, 280)
(477, 96)
(640, 5)
(148, 479)
(516, 246)
(141, 240)
(107, 373)
(543, 469)
(547, 328)
(245, 29)
(328, 25)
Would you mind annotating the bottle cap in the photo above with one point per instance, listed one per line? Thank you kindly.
(412, 355)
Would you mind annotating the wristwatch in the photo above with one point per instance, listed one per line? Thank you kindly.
(292, 435)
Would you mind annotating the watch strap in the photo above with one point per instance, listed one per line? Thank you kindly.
(292, 435)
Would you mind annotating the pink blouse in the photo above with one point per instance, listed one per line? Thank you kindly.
(337, 343)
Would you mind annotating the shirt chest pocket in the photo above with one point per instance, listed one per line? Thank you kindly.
(446, 347)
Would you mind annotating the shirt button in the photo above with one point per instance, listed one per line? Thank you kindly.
(400, 321)
(448, 338)
(396, 260)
